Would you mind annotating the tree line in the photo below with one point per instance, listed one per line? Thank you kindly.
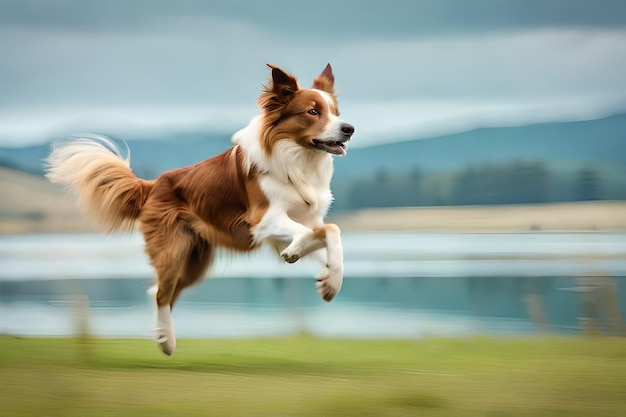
(524, 182)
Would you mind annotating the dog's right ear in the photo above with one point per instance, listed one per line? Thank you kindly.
(325, 81)
(282, 84)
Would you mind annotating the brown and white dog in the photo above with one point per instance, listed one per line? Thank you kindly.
(271, 187)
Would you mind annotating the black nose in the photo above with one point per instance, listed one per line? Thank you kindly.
(347, 129)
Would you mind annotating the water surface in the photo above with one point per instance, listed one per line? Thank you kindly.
(397, 285)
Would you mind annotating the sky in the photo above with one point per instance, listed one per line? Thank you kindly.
(404, 69)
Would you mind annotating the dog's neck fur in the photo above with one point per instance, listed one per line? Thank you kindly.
(309, 171)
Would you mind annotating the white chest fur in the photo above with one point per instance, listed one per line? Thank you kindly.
(305, 203)
(294, 179)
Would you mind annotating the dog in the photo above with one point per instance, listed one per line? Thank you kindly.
(272, 187)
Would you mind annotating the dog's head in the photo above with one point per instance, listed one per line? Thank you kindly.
(307, 116)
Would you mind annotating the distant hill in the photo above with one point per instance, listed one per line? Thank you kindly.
(149, 157)
(602, 140)
(550, 162)
(30, 204)
(542, 163)
(597, 141)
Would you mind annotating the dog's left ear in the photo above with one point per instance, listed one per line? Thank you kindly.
(325, 81)
(283, 84)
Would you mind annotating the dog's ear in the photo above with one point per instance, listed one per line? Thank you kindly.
(282, 84)
(325, 81)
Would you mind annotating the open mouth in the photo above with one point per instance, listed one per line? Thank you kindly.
(336, 147)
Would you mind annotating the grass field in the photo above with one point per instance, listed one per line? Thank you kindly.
(301, 376)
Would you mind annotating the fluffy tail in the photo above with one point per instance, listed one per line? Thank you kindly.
(94, 168)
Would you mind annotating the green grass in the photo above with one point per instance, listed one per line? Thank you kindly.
(301, 376)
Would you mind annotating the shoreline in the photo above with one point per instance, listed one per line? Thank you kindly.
(597, 216)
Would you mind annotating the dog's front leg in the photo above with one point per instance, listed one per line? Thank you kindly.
(327, 236)
(295, 241)
(330, 280)
(304, 243)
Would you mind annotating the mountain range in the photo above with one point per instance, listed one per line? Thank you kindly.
(601, 141)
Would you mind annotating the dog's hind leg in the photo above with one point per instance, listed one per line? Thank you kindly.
(199, 261)
(170, 248)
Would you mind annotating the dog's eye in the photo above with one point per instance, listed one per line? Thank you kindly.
(313, 112)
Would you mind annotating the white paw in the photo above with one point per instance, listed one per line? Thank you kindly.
(164, 331)
(289, 256)
(166, 340)
(329, 283)
(152, 291)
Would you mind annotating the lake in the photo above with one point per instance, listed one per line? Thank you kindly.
(397, 285)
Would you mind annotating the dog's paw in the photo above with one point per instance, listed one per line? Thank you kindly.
(329, 283)
(289, 257)
(164, 331)
(166, 340)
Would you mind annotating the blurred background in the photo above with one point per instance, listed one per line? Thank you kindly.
(484, 191)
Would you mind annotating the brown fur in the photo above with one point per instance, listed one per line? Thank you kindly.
(195, 209)
(184, 214)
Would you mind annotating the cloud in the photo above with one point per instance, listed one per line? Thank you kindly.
(326, 19)
(37, 125)
(379, 123)
(200, 66)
